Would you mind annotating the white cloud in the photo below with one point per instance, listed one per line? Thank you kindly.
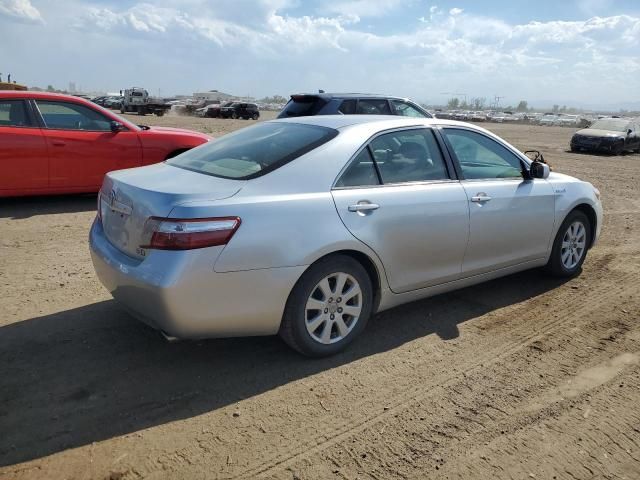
(269, 46)
(363, 8)
(21, 9)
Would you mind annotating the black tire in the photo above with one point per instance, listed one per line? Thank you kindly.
(293, 329)
(234, 115)
(255, 116)
(122, 109)
(555, 266)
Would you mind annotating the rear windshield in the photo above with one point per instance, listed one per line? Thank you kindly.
(611, 124)
(303, 105)
(254, 151)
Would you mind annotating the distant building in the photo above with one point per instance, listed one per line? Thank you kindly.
(211, 95)
(72, 87)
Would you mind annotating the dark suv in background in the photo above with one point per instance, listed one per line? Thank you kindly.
(240, 110)
(307, 104)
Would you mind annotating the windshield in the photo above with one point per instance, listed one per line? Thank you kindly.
(611, 124)
(254, 151)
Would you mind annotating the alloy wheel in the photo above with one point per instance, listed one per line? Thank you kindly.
(333, 308)
(574, 243)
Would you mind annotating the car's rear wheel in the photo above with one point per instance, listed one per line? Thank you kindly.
(255, 116)
(234, 115)
(328, 307)
(570, 245)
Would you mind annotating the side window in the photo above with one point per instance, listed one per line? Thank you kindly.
(13, 114)
(481, 157)
(361, 172)
(376, 106)
(409, 156)
(71, 116)
(348, 107)
(406, 110)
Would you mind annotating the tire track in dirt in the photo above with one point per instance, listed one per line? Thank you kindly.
(474, 410)
(525, 333)
(578, 306)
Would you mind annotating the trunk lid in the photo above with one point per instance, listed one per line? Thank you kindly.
(129, 197)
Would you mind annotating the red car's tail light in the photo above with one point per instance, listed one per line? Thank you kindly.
(187, 234)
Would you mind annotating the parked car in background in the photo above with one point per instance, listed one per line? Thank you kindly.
(213, 110)
(612, 135)
(548, 119)
(240, 110)
(113, 102)
(307, 104)
(566, 120)
(478, 116)
(306, 227)
(52, 143)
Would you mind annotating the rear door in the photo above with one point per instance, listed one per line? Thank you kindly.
(24, 160)
(398, 197)
(510, 218)
(82, 147)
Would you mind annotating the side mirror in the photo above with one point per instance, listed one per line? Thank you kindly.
(539, 170)
(117, 127)
(629, 132)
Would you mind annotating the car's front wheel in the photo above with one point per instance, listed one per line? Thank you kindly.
(570, 245)
(328, 307)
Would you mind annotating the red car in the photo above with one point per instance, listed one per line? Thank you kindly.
(51, 143)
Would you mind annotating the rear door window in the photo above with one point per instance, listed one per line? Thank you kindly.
(361, 172)
(13, 113)
(348, 107)
(254, 151)
(373, 107)
(409, 156)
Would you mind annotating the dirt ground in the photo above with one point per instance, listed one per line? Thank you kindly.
(522, 377)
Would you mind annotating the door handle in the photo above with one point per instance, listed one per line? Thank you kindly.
(58, 143)
(480, 198)
(363, 207)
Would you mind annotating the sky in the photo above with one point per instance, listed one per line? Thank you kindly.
(582, 53)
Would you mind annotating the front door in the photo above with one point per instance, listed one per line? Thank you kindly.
(82, 147)
(510, 218)
(397, 197)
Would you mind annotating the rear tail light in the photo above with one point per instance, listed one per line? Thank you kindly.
(187, 234)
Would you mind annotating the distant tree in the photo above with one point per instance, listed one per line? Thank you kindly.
(50, 88)
(453, 103)
(478, 103)
(523, 106)
(556, 108)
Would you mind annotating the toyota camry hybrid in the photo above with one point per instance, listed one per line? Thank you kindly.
(305, 227)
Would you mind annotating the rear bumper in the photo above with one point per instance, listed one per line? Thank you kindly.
(180, 294)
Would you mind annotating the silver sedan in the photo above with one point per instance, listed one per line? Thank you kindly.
(306, 227)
